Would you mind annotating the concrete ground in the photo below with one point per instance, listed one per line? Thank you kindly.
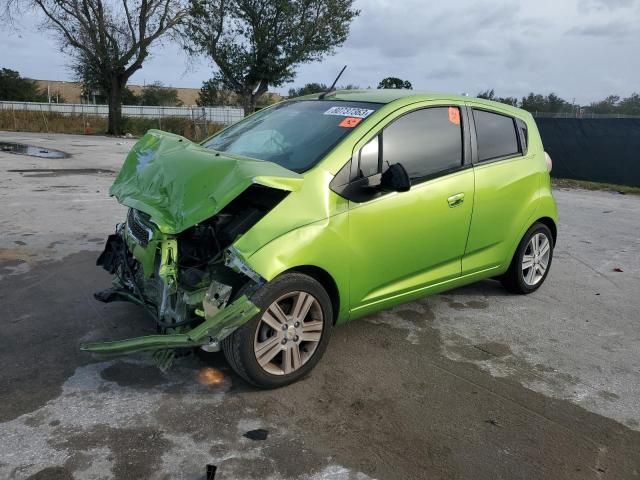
(471, 384)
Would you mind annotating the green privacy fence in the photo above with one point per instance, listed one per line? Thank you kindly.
(598, 150)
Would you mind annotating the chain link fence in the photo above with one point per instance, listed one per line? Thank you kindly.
(581, 115)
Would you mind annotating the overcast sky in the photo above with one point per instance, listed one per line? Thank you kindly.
(582, 49)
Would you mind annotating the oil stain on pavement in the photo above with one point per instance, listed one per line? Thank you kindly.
(381, 404)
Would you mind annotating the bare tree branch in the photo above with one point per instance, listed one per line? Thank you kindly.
(108, 39)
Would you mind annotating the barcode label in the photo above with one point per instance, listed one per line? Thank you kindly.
(349, 112)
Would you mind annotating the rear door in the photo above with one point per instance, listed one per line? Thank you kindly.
(402, 242)
(506, 188)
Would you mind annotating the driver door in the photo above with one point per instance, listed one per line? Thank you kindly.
(404, 242)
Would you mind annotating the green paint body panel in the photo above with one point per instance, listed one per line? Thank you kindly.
(379, 253)
(403, 246)
(180, 183)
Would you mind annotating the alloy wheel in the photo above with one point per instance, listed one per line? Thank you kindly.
(288, 333)
(535, 260)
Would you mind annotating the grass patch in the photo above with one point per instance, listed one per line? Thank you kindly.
(48, 122)
(586, 185)
(138, 126)
(51, 122)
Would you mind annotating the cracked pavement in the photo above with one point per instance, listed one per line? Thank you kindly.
(470, 384)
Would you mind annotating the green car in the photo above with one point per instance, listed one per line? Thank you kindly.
(320, 210)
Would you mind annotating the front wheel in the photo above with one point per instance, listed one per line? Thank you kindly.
(531, 262)
(283, 342)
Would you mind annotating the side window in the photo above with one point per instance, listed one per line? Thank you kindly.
(369, 158)
(496, 135)
(524, 136)
(425, 142)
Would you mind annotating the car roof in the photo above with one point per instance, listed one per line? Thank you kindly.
(404, 96)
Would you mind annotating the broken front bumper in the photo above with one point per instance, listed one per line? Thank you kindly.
(207, 333)
(214, 316)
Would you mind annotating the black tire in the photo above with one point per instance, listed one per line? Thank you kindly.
(238, 347)
(514, 279)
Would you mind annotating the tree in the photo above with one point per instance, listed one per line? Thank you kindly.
(311, 88)
(259, 43)
(213, 94)
(108, 40)
(268, 99)
(557, 104)
(93, 93)
(156, 94)
(490, 95)
(534, 103)
(395, 82)
(552, 103)
(630, 105)
(14, 87)
(610, 104)
(308, 89)
(210, 94)
(613, 104)
(129, 97)
(487, 94)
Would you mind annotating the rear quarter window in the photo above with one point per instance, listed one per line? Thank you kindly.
(496, 134)
(524, 136)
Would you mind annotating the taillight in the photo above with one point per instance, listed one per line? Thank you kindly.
(549, 162)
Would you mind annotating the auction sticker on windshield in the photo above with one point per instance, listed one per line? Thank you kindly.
(349, 122)
(349, 112)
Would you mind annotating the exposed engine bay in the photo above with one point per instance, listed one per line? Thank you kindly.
(185, 281)
(201, 247)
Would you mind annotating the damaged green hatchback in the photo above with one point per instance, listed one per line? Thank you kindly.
(320, 210)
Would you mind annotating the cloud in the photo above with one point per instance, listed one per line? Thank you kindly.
(479, 50)
(591, 5)
(611, 29)
(444, 73)
(487, 15)
(413, 29)
(514, 46)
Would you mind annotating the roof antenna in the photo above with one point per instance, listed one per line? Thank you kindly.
(333, 85)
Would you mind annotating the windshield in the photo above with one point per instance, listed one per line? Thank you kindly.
(295, 135)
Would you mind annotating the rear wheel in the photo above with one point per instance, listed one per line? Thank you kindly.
(287, 338)
(531, 262)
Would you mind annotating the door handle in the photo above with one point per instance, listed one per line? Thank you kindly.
(455, 200)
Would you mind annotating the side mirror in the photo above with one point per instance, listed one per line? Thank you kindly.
(396, 178)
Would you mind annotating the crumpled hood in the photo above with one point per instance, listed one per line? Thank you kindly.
(179, 183)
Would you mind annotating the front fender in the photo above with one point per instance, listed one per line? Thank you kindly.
(322, 244)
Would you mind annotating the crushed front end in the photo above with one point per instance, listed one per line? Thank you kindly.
(189, 284)
(174, 254)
